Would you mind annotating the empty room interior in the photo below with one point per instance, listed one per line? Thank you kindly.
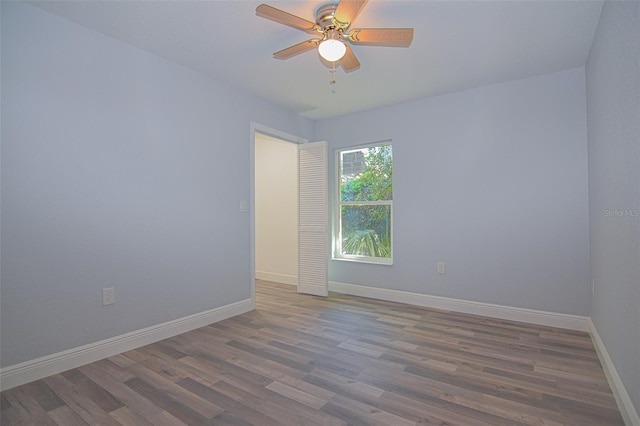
(441, 226)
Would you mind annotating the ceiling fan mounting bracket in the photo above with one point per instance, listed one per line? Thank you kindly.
(352, 35)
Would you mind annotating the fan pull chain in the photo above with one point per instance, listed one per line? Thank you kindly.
(332, 81)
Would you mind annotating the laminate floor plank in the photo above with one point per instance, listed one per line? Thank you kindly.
(100, 371)
(185, 414)
(235, 411)
(80, 403)
(87, 387)
(24, 410)
(177, 393)
(65, 416)
(341, 360)
(126, 416)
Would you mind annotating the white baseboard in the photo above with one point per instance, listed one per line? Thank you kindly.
(629, 413)
(277, 278)
(18, 374)
(551, 319)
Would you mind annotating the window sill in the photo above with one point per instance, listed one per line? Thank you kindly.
(386, 262)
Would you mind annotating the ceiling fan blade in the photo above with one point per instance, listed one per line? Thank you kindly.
(282, 17)
(349, 61)
(400, 37)
(296, 49)
(348, 10)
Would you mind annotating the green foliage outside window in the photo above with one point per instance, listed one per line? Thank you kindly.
(366, 195)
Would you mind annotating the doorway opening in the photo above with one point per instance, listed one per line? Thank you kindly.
(274, 195)
(289, 222)
(276, 209)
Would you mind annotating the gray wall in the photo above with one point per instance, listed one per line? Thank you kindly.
(492, 181)
(613, 99)
(118, 169)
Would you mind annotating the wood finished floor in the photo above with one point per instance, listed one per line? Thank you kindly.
(341, 360)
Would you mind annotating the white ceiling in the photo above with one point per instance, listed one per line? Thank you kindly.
(457, 45)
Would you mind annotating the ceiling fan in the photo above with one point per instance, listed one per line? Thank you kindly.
(333, 32)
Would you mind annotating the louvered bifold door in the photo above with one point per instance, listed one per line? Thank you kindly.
(313, 220)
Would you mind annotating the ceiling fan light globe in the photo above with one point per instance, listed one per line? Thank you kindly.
(332, 50)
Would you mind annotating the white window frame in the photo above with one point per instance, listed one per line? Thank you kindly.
(338, 203)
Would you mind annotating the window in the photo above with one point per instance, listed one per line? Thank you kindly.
(365, 204)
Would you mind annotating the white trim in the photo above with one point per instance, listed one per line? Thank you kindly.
(364, 259)
(551, 319)
(269, 131)
(629, 413)
(18, 374)
(277, 278)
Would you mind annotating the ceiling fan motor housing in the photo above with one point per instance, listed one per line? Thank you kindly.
(325, 18)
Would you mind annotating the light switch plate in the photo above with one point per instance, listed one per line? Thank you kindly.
(108, 296)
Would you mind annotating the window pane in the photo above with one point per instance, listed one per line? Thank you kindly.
(366, 174)
(366, 230)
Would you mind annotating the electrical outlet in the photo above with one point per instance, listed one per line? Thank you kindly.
(442, 268)
(108, 296)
